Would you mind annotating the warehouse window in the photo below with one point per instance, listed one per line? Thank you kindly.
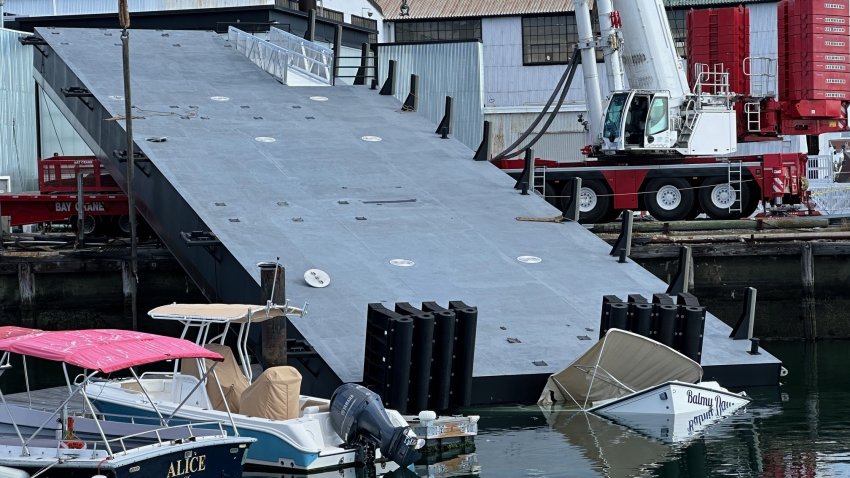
(438, 30)
(548, 40)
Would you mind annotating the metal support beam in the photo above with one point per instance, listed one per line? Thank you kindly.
(337, 52)
(743, 330)
(412, 101)
(573, 210)
(483, 151)
(624, 241)
(124, 20)
(388, 89)
(310, 34)
(445, 126)
(682, 278)
(525, 176)
(363, 70)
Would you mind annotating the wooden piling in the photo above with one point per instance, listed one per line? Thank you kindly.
(807, 272)
(26, 288)
(127, 289)
(272, 288)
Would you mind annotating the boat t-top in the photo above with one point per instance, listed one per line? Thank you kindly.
(293, 431)
(34, 441)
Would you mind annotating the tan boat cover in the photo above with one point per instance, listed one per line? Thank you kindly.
(233, 381)
(235, 313)
(619, 364)
(274, 395)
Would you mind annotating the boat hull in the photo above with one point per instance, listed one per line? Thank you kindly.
(706, 404)
(204, 458)
(301, 444)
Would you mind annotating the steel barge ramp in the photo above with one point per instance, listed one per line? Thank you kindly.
(298, 173)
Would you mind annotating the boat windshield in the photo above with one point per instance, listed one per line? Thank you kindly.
(613, 118)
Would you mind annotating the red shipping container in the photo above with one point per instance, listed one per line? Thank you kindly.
(813, 28)
(818, 43)
(720, 36)
(819, 7)
(820, 67)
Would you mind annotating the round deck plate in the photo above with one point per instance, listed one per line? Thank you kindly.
(529, 259)
(402, 262)
(317, 278)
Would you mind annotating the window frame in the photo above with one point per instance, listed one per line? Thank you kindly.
(543, 26)
(430, 30)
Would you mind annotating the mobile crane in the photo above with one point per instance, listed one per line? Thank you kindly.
(667, 143)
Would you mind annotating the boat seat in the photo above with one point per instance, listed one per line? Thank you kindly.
(230, 375)
(274, 395)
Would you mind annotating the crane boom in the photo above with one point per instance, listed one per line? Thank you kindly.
(649, 55)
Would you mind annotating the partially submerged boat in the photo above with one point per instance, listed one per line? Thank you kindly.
(294, 432)
(108, 448)
(626, 375)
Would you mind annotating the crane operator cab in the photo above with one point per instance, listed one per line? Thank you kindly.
(638, 120)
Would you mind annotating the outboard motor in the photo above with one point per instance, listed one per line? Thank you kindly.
(358, 416)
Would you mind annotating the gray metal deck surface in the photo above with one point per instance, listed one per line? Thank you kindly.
(299, 198)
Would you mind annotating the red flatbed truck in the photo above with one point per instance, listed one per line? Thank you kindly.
(104, 205)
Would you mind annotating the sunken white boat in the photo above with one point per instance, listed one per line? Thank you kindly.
(626, 375)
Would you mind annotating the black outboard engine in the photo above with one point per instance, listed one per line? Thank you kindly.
(358, 416)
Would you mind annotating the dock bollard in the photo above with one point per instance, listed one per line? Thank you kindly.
(754, 347)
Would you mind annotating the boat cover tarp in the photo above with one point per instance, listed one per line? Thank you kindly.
(105, 350)
(619, 364)
(274, 395)
(229, 374)
(235, 313)
(9, 331)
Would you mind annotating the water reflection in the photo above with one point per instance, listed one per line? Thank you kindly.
(801, 429)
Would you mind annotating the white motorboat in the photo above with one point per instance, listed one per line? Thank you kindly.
(116, 450)
(626, 375)
(294, 432)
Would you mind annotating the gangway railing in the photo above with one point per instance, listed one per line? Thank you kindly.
(305, 56)
(273, 59)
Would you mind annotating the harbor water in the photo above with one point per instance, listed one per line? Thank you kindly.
(799, 429)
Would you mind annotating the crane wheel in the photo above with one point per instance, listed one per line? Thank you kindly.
(716, 196)
(669, 199)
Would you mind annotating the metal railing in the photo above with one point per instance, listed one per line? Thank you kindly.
(762, 73)
(307, 57)
(711, 84)
(273, 59)
(156, 432)
(821, 167)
